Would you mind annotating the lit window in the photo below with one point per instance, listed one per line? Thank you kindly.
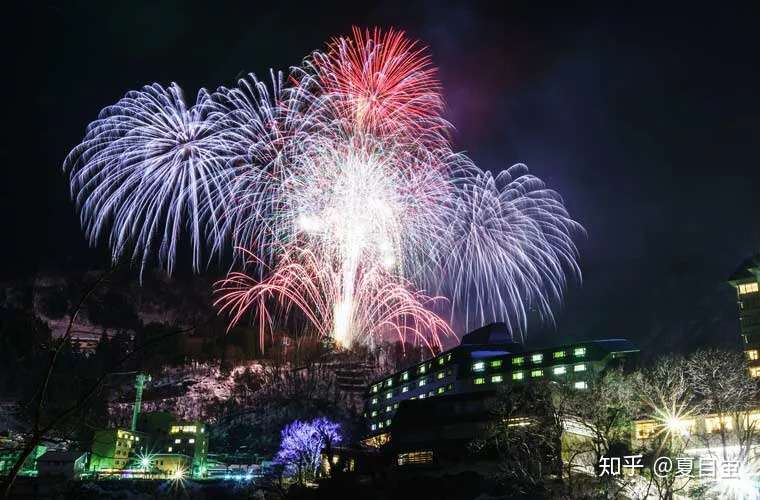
(579, 352)
(441, 390)
(580, 385)
(374, 388)
(559, 370)
(374, 401)
(518, 361)
(517, 376)
(388, 408)
(439, 375)
(754, 372)
(395, 405)
(496, 379)
(414, 458)
(496, 363)
(373, 427)
(380, 425)
(405, 376)
(422, 396)
(202, 430)
(373, 414)
(389, 382)
(579, 368)
(558, 354)
(421, 382)
(191, 441)
(537, 358)
(389, 395)
(431, 394)
(448, 357)
(752, 355)
(421, 369)
(748, 288)
(170, 449)
(137, 439)
(536, 373)
(405, 388)
(479, 366)
(388, 422)
(177, 441)
(440, 361)
(479, 381)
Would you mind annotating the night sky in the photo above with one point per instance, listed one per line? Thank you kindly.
(647, 121)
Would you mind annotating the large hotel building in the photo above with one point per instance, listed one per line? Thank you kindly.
(485, 359)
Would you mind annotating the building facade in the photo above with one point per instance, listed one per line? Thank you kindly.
(190, 439)
(485, 359)
(113, 450)
(746, 281)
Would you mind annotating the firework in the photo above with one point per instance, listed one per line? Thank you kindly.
(338, 188)
(149, 169)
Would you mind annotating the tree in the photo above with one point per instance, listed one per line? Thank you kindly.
(302, 443)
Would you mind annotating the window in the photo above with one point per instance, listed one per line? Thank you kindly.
(479, 381)
(388, 408)
(537, 373)
(440, 361)
(448, 357)
(580, 385)
(389, 395)
(380, 425)
(479, 366)
(752, 355)
(405, 376)
(558, 354)
(517, 376)
(518, 360)
(754, 372)
(441, 390)
(439, 375)
(373, 427)
(388, 422)
(170, 449)
(421, 369)
(405, 388)
(422, 396)
(191, 441)
(748, 288)
(579, 352)
(373, 414)
(177, 441)
(389, 382)
(414, 458)
(579, 368)
(496, 363)
(537, 358)
(497, 379)
(559, 370)
(374, 401)
(421, 382)
(374, 388)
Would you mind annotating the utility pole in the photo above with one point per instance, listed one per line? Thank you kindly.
(139, 384)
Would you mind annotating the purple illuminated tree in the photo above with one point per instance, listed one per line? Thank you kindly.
(303, 442)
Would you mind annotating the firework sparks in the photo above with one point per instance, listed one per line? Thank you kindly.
(340, 187)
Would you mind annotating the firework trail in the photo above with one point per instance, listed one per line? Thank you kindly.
(339, 190)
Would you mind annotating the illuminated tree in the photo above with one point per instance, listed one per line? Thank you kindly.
(302, 444)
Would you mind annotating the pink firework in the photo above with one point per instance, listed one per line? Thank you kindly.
(383, 306)
(382, 82)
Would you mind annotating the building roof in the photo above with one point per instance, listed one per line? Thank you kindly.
(746, 268)
(60, 456)
(495, 333)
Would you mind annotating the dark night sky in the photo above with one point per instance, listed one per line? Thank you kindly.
(645, 120)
